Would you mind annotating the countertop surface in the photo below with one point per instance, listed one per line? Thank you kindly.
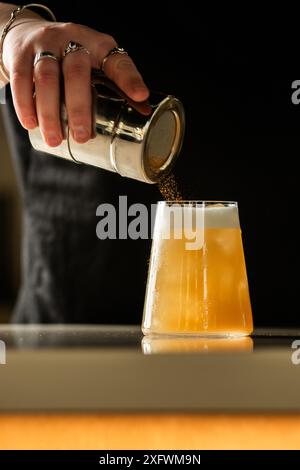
(115, 368)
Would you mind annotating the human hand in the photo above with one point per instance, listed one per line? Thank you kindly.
(36, 35)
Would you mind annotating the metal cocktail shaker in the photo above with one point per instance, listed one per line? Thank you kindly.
(126, 139)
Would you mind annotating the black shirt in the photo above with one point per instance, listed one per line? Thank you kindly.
(243, 133)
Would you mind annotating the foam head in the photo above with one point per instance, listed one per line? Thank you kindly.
(189, 220)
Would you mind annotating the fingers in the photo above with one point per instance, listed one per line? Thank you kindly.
(47, 77)
(121, 69)
(77, 79)
(22, 91)
(76, 69)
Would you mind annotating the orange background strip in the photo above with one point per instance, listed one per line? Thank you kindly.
(148, 431)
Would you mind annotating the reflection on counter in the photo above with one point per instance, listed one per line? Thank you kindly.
(19, 337)
(70, 336)
(158, 345)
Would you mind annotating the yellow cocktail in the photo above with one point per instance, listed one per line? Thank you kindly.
(197, 286)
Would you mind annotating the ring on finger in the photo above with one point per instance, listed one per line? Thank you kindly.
(44, 55)
(74, 47)
(113, 51)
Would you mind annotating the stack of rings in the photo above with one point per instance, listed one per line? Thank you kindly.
(74, 47)
(71, 47)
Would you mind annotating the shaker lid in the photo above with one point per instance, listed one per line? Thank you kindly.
(164, 138)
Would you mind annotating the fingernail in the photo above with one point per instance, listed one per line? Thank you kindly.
(81, 133)
(141, 90)
(30, 123)
(53, 139)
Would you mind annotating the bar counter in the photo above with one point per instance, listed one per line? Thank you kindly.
(108, 387)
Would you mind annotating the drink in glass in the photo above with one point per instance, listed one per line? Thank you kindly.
(197, 280)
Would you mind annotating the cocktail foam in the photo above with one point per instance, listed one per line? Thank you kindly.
(197, 216)
(188, 221)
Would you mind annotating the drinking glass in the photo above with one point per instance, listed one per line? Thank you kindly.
(197, 279)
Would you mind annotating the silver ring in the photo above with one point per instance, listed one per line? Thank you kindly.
(44, 55)
(74, 47)
(113, 51)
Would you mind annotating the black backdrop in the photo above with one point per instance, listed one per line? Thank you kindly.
(234, 75)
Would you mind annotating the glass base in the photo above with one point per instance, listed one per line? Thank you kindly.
(195, 334)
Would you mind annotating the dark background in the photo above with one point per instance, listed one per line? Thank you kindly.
(234, 75)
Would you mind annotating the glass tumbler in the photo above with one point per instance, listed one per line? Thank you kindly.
(197, 279)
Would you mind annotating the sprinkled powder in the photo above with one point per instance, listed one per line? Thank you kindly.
(168, 187)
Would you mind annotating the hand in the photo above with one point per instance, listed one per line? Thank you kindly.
(36, 35)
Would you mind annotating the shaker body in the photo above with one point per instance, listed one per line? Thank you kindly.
(135, 145)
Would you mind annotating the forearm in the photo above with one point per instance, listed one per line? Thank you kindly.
(25, 17)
